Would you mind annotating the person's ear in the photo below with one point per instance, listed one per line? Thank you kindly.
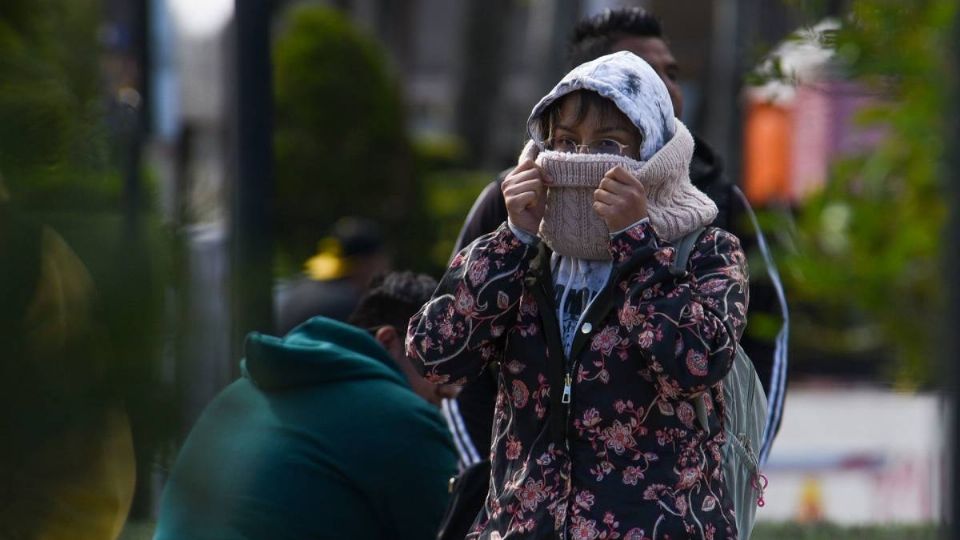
(389, 338)
(392, 341)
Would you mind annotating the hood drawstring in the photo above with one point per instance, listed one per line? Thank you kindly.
(595, 272)
(760, 484)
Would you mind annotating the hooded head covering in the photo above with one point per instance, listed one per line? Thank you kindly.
(631, 84)
(570, 226)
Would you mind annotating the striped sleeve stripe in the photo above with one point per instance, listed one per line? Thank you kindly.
(779, 372)
(461, 438)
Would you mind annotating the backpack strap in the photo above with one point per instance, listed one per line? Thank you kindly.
(778, 381)
(684, 248)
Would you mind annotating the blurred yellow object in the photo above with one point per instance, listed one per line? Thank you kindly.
(61, 307)
(810, 509)
(78, 488)
(78, 482)
(329, 262)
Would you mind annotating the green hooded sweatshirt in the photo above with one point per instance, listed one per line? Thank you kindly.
(321, 438)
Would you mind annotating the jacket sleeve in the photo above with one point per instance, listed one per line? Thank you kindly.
(686, 327)
(462, 328)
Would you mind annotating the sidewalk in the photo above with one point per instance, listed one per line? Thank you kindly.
(856, 455)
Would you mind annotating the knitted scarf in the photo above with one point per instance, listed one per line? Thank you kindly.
(572, 228)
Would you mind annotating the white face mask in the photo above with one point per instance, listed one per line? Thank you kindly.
(570, 226)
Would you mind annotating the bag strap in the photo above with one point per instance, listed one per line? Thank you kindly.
(684, 248)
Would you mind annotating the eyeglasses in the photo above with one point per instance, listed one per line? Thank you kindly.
(600, 146)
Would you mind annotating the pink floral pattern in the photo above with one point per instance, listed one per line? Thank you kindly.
(634, 462)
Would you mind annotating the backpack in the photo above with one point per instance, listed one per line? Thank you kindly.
(745, 419)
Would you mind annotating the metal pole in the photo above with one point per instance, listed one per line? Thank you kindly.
(951, 171)
(482, 73)
(136, 116)
(253, 190)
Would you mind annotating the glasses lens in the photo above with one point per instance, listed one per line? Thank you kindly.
(562, 144)
(606, 146)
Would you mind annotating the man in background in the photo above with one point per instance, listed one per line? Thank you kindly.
(336, 277)
(322, 437)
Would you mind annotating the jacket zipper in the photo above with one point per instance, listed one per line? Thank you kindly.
(567, 395)
(565, 398)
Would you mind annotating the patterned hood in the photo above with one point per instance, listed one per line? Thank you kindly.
(632, 85)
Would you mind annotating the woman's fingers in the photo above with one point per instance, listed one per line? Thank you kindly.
(527, 168)
(606, 197)
(621, 175)
(524, 177)
(620, 181)
(602, 208)
(521, 184)
(524, 165)
(620, 200)
(523, 200)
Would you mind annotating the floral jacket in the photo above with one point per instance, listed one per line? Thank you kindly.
(603, 444)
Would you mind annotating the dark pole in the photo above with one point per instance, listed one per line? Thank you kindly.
(481, 73)
(135, 115)
(136, 259)
(952, 263)
(253, 190)
(565, 16)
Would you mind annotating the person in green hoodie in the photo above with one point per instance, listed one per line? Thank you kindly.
(322, 437)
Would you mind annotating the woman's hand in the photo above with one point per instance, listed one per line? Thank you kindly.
(620, 200)
(525, 194)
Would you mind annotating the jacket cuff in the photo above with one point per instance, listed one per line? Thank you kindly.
(634, 240)
(522, 235)
(615, 233)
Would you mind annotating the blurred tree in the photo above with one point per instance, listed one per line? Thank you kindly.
(63, 169)
(340, 139)
(872, 240)
(53, 145)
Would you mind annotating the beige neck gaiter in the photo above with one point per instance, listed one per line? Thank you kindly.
(571, 227)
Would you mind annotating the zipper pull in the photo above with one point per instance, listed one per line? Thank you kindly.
(566, 389)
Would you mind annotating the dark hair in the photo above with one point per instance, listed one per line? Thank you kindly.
(586, 100)
(357, 236)
(392, 299)
(595, 36)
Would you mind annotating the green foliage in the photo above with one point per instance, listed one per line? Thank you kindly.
(56, 161)
(131, 270)
(52, 143)
(340, 140)
(826, 531)
(451, 194)
(869, 244)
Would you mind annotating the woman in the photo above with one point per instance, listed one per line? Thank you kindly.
(601, 349)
